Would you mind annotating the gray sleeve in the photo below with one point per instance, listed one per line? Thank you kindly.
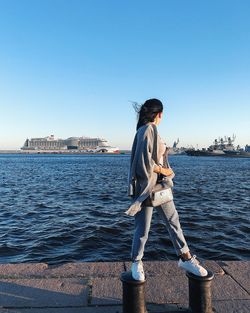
(145, 164)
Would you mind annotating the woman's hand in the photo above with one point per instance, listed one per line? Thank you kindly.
(167, 171)
(164, 171)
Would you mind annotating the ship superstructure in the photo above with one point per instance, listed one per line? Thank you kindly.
(83, 144)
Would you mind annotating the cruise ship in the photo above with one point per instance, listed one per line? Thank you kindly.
(80, 144)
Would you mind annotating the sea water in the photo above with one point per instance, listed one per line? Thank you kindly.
(66, 208)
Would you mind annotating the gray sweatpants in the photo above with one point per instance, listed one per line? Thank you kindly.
(170, 216)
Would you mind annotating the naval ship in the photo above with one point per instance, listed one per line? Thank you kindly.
(221, 147)
(76, 144)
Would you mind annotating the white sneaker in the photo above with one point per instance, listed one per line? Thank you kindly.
(137, 271)
(193, 266)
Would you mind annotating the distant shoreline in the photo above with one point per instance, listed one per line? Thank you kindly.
(61, 152)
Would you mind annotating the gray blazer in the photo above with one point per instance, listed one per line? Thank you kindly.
(142, 178)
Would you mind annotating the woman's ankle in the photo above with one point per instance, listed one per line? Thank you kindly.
(186, 256)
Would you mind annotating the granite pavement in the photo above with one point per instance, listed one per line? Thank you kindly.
(96, 287)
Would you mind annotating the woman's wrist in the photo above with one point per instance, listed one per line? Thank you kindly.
(158, 169)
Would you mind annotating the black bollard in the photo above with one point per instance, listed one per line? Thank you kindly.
(133, 296)
(200, 296)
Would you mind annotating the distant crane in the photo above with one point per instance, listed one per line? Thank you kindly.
(175, 143)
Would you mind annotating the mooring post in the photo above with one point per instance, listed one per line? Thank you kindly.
(200, 296)
(133, 296)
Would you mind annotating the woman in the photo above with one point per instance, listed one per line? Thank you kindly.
(143, 175)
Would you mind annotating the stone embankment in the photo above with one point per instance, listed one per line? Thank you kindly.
(95, 287)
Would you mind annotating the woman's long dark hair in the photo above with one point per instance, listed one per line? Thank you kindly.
(148, 111)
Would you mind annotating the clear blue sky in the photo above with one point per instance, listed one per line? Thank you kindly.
(69, 68)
